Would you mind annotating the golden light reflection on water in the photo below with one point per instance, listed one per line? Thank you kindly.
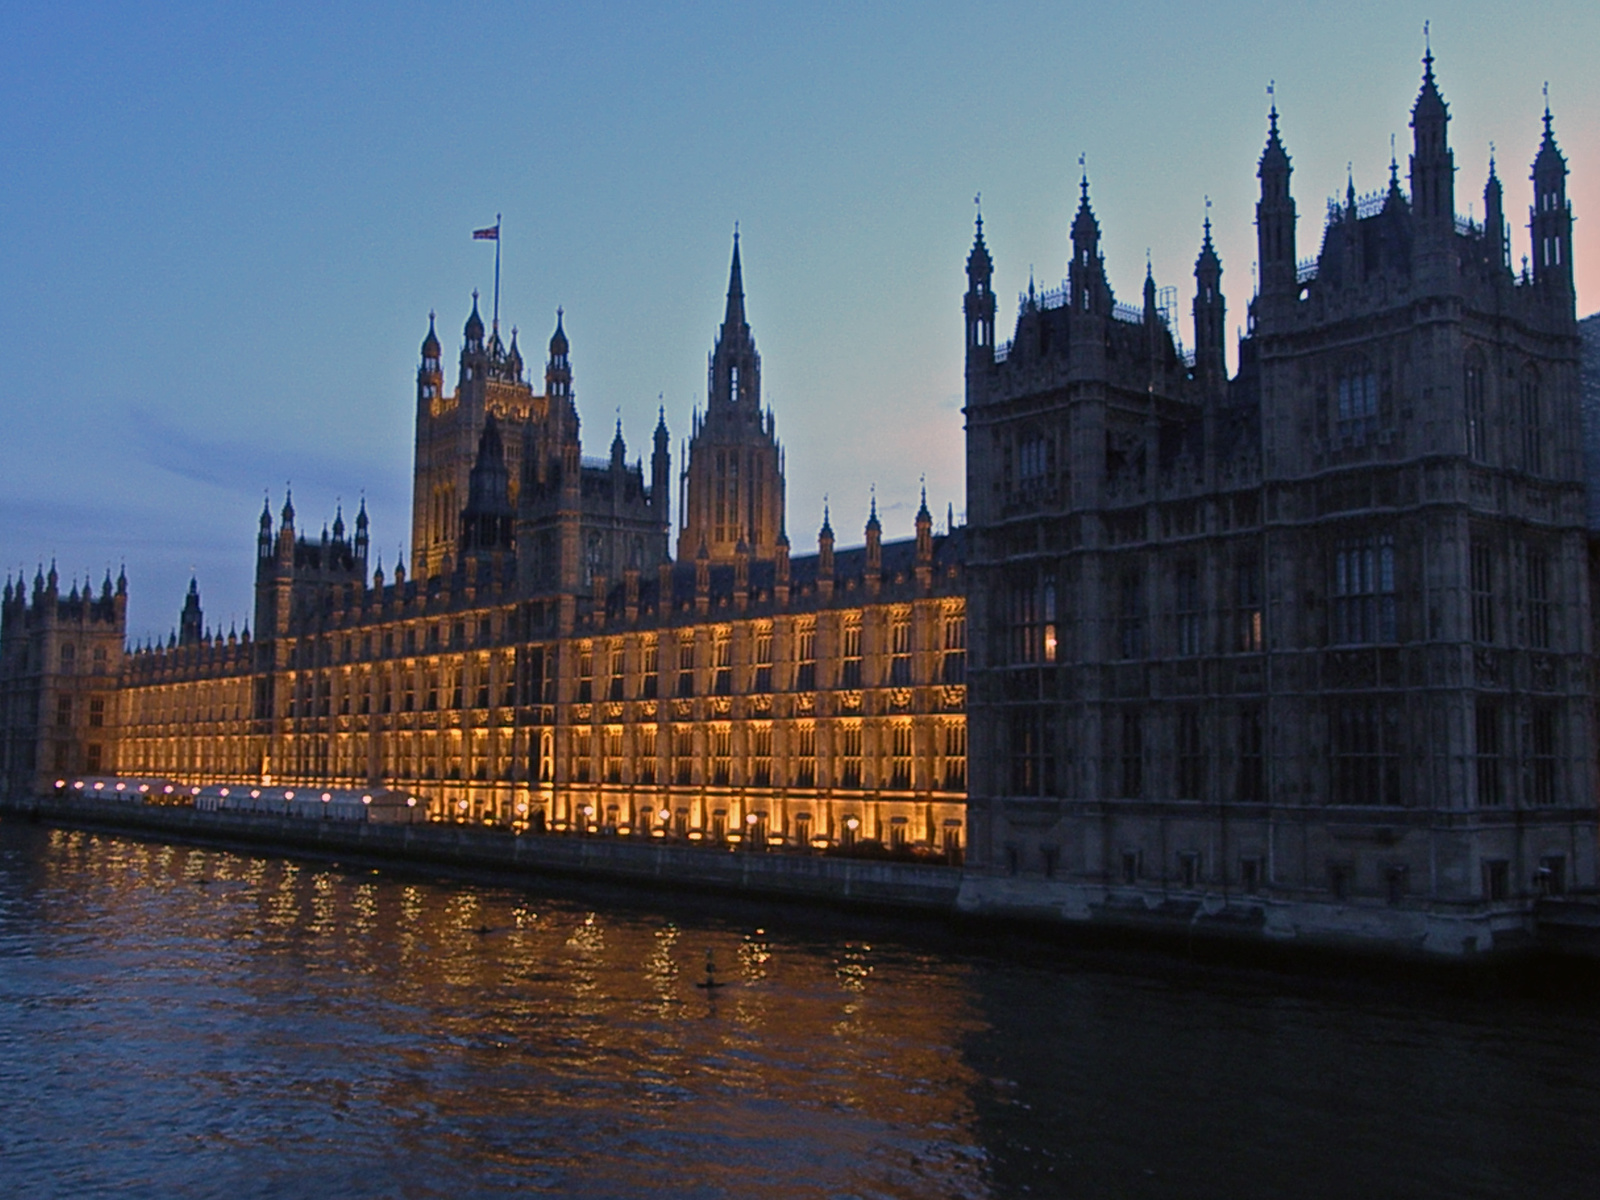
(188, 1021)
(529, 1042)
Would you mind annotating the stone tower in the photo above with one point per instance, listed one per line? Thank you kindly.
(733, 479)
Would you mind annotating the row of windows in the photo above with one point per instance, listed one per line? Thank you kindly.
(1363, 605)
(1367, 748)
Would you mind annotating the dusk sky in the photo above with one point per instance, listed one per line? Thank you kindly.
(223, 230)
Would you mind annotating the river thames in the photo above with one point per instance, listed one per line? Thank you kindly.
(182, 1021)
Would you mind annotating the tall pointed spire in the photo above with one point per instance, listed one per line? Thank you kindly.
(733, 318)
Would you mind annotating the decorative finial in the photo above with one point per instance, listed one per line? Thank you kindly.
(978, 204)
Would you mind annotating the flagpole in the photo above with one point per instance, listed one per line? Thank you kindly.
(497, 272)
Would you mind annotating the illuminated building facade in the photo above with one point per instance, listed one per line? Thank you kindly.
(549, 665)
(1316, 637)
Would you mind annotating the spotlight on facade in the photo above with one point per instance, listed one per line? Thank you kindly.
(78, 783)
(61, 783)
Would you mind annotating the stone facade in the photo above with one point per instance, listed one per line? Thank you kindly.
(1317, 635)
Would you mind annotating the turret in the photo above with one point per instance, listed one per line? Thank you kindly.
(1551, 218)
(1432, 162)
(780, 570)
(1275, 217)
(874, 555)
(1086, 274)
(558, 369)
(1495, 235)
(661, 472)
(1210, 316)
(264, 535)
(979, 302)
(825, 555)
(735, 372)
(190, 621)
(363, 540)
(924, 567)
(430, 373)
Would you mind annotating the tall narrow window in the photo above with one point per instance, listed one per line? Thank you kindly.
(900, 756)
(1538, 600)
(1542, 773)
(1022, 621)
(682, 756)
(1252, 741)
(614, 687)
(1247, 611)
(763, 677)
(761, 755)
(1482, 572)
(850, 658)
(1191, 756)
(721, 755)
(650, 683)
(686, 666)
(900, 651)
(722, 648)
(613, 754)
(955, 756)
(585, 675)
(1364, 591)
(1486, 728)
(803, 760)
(1186, 602)
(849, 756)
(1532, 423)
(953, 667)
(1366, 753)
(1357, 418)
(805, 655)
(1132, 756)
(1130, 616)
(644, 746)
(1032, 759)
(1477, 415)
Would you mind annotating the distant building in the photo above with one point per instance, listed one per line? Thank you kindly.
(549, 665)
(1316, 637)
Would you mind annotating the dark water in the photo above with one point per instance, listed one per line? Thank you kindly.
(188, 1022)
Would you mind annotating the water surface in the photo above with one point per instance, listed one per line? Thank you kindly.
(186, 1021)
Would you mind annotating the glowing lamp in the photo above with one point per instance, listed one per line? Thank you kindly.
(411, 801)
(852, 823)
(288, 795)
(366, 799)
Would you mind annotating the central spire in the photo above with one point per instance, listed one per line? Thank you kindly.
(733, 319)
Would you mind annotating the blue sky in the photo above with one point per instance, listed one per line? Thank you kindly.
(221, 231)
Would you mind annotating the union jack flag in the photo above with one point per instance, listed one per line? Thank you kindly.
(491, 234)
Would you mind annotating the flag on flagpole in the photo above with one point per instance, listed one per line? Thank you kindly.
(491, 234)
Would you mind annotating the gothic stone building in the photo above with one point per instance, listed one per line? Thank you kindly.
(1316, 637)
(548, 664)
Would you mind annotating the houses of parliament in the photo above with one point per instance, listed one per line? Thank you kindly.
(548, 663)
(1311, 641)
